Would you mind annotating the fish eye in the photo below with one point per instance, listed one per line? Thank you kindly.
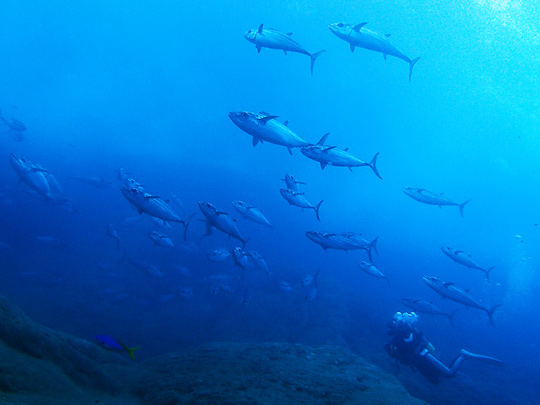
(244, 114)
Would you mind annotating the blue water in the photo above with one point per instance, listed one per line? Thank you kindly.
(148, 87)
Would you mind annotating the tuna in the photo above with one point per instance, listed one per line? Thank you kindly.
(291, 182)
(342, 241)
(427, 308)
(362, 37)
(273, 39)
(32, 175)
(160, 239)
(297, 199)
(372, 270)
(250, 212)
(264, 127)
(428, 197)
(332, 156)
(220, 220)
(460, 257)
(450, 291)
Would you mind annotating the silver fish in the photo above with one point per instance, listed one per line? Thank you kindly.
(450, 291)
(250, 212)
(273, 39)
(264, 127)
(220, 220)
(218, 255)
(359, 36)
(460, 257)
(342, 241)
(240, 257)
(160, 239)
(427, 308)
(428, 197)
(332, 156)
(372, 270)
(259, 261)
(297, 199)
(291, 182)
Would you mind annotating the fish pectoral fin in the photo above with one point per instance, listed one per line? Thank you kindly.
(286, 123)
(384, 56)
(258, 48)
(327, 148)
(285, 52)
(264, 120)
(352, 47)
(448, 284)
(255, 141)
(323, 165)
(358, 27)
(148, 197)
(290, 34)
(222, 213)
(387, 35)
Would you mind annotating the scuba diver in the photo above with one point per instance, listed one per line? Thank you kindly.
(410, 347)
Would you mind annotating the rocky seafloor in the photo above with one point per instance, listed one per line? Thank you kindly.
(41, 366)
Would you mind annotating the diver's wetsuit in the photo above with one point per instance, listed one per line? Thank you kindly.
(410, 347)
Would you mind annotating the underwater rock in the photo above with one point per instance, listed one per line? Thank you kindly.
(41, 366)
(269, 373)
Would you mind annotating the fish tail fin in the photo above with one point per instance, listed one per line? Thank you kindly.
(316, 208)
(373, 166)
(490, 313)
(130, 350)
(373, 245)
(487, 273)
(462, 205)
(411, 65)
(314, 57)
(186, 223)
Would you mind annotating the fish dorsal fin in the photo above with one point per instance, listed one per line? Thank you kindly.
(346, 149)
(260, 29)
(289, 34)
(323, 139)
(448, 284)
(358, 27)
(264, 120)
(286, 123)
(387, 35)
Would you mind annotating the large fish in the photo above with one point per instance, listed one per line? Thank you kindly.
(153, 205)
(450, 291)
(250, 212)
(264, 127)
(460, 257)
(362, 37)
(291, 182)
(297, 199)
(428, 197)
(220, 220)
(273, 39)
(372, 270)
(427, 308)
(32, 175)
(160, 239)
(342, 241)
(332, 156)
